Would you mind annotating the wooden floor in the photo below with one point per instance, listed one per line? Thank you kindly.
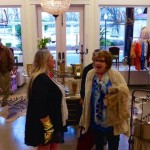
(12, 135)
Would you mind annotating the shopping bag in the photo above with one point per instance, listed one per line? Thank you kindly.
(142, 130)
(85, 141)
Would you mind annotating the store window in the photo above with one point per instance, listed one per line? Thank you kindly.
(10, 29)
(140, 21)
(113, 22)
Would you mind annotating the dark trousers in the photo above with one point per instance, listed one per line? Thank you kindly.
(102, 139)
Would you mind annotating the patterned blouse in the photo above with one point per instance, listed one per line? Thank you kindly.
(98, 109)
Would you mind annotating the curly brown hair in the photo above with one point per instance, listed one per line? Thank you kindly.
(104, 54)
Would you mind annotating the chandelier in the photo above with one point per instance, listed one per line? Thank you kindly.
(55, 7)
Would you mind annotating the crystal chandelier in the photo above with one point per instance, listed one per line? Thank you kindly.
(55, 7)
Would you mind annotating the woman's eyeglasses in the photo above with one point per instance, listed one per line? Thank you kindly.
(100, 60)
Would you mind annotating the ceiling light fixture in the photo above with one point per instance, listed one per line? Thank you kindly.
(55, 7)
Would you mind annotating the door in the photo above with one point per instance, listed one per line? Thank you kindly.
(66, 32)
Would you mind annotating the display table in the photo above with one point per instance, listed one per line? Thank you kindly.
(74, 110)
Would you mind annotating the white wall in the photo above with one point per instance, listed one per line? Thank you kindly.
(91, 28)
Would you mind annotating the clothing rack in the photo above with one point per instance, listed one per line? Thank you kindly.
(139, 124)
(144, 35)
(129, 63)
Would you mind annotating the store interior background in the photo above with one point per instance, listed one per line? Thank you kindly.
(31, 28)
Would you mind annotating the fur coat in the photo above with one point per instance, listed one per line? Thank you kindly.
(117, 103)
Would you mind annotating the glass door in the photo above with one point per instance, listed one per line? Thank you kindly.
(66, 32)
(47, 28)
(74, 34)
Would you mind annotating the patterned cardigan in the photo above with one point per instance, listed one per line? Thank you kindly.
(117, 98)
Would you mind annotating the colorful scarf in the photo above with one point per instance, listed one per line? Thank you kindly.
(100, 89)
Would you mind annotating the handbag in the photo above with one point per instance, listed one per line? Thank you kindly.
(85, 141)
(141, 135)
(142, 130)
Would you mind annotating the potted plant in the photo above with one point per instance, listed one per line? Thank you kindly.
(42, 43)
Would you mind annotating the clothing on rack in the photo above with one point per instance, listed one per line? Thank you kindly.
(139, 54)
(148, 53)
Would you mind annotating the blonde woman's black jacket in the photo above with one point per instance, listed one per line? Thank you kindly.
(44, 100)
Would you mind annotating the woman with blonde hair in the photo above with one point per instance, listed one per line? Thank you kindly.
(47, 111)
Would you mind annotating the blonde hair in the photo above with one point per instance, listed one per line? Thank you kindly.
(39, 65)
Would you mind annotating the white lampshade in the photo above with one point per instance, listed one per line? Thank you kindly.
(55, 7)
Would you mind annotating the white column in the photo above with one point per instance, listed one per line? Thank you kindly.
(28, 32)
